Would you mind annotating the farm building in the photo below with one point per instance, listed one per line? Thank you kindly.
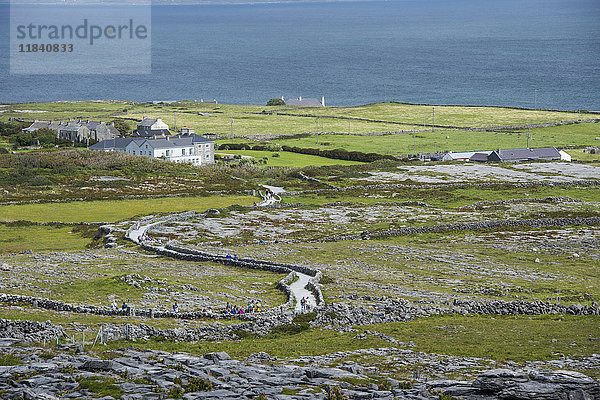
(516, 155)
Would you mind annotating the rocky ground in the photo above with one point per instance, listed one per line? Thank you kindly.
(69, 373)
(468, 172)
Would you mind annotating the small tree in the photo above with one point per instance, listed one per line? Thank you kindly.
(276, 102)
(122, 126)
(46, 137)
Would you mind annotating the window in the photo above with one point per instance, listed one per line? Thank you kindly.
(207, 146)
(183, 152)
(167, 153)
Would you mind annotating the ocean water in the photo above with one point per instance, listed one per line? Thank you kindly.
(502, 52)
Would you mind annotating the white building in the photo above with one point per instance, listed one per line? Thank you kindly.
(193, 149)
(152, 127)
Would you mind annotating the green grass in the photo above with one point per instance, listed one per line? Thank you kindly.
(249, 119)
(447, 115)
(571, 135)
(40, 238)
(446, 197)
(501, 338)
(114, 210)
(101, 387)
(7, 359)
(288, 159)
(580, 155)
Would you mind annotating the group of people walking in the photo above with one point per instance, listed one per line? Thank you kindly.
(235, 310)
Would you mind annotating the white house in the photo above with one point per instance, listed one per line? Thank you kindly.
(152, 127)
(193, 149)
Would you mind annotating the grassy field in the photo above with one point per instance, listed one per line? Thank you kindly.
(289, 159)
(447, 115)
(14, 239)
(572, 135)
(580, 155)
(114, 210)
(257, 119)
(260, 124)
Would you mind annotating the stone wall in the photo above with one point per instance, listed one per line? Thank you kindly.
(386, 186)
(30, 331)
(467, 226)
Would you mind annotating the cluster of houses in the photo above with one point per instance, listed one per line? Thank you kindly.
(152, 138)
(77, 131)
(510, 155)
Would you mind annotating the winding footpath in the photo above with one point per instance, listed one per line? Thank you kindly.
(298, 288)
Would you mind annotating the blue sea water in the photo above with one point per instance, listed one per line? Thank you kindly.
(428, 51)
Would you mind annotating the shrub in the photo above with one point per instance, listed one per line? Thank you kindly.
(335, 393)
(10, 359)
(275, 155)
(276, 102)
(198, 385)
(340, 154)
(176, 392)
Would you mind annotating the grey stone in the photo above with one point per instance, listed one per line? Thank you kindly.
(98, 365)
(217, 356)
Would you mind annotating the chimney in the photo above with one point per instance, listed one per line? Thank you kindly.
(323, 101)
(300, 98)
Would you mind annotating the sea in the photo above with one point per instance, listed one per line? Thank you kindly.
(523, 53)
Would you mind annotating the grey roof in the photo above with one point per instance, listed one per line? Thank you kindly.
(36, 125)
(482, 157)
(154, 132)
(159, 143)
(526, 154)
(113, 144)
(91, 124)
(113, 130)
(107, 144)
(147, 122)
(177, 141)
(312, 102)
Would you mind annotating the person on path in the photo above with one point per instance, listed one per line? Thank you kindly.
(175, 307)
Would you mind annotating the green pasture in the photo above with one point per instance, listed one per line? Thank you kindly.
(289, 159)
(14, 239)
(423, 142)
(64, 110)
(446, 115)
(114, 210)
(263, 124)
(259, 119)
